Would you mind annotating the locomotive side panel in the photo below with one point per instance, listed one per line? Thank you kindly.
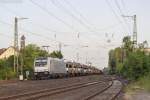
(57, 66)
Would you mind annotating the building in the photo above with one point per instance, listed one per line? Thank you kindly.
(6, 52)
(147, 51)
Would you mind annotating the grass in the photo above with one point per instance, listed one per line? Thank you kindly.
(142, 84)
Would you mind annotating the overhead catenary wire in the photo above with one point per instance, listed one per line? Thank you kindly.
(51, 30)
(40, 34)
(40, 26)
(124, 5)
(46, 39)
(115, 14)
(11, 11)
(48, 29)
(6, 36)
(77, 12)
(44, 9)
(31, 22)
(126, 11)
(52, 15)
(118, 6)
(3, 22)
(33, 33)
(113, 11)
(79, 20)
(60, 6)
(122, 1)
(86, 20)
(121, 13)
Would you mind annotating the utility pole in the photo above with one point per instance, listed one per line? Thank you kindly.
(134, 29)
(77, 55)
(59, 46)
(22, 44)
(16, 46)
(86, 59)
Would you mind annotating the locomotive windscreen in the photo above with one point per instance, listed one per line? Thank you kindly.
(39, 62)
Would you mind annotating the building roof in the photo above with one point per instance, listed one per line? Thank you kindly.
(2, 50)
(147, 49)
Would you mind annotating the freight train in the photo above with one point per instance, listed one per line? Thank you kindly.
(47, 67)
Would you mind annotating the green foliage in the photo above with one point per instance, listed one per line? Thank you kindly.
(129, 63)
(127, 43)
(6, 69)
(119, 68)
(142, 83)
(115, 59)
(56, 54)
(134, 65)
(30, 52)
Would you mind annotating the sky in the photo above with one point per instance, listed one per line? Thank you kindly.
(86, 29)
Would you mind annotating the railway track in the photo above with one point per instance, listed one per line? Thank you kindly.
(36, 95)
(109, 93)
(47, 92)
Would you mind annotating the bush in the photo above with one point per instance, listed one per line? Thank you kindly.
(144, 82)
(7, 73)
(133, 66)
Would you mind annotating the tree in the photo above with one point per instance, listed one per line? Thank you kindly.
(127, 43)
(56, 54)
(30, 53)
(116, 60)
(125, 62)
(6, 68)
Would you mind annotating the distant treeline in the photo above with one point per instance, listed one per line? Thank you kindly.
(129, 61)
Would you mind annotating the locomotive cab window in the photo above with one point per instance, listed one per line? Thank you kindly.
(41, 62)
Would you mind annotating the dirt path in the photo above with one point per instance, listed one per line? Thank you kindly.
(139, 95)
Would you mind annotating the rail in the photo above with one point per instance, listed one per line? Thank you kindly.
(105, 89)
(48, 92)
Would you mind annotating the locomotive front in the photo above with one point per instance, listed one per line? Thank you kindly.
(41, 67)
